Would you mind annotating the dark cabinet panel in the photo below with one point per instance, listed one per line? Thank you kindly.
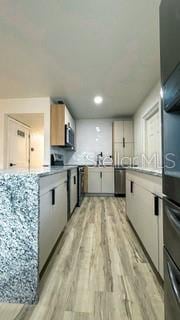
(169, 37)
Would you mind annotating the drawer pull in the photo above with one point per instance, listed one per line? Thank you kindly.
(53, 197)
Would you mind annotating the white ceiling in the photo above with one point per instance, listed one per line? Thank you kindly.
(76, 49)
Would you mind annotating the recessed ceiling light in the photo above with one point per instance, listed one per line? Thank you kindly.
(98, 100)
(98, 129)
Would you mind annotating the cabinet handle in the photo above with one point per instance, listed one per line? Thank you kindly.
(124, 143)
(53, 197)
(74, 179)
(132, 187)
(101, 175)
(156, 206)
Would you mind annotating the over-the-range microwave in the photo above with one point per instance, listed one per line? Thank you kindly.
(69, 136)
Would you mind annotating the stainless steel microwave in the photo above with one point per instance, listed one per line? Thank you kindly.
(69, 136)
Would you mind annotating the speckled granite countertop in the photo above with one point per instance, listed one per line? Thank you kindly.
(19, 233)
(152, 172)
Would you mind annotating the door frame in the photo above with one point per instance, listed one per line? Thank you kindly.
(155, 108)
(9, 118)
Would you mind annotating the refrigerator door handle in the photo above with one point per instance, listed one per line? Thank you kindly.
(174, 282)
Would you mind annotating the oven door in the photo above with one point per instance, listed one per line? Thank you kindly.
(171, 288)
(171, 223)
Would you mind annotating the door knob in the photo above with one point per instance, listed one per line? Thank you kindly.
(12, 164)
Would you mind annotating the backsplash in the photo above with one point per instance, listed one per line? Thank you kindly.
(93, 136)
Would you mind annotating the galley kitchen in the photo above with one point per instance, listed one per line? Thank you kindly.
(89, 160)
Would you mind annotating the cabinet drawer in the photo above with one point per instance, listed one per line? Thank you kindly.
(52, 181)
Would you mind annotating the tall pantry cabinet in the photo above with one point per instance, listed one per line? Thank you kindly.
(123, 142)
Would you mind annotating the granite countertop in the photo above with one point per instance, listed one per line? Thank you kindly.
(41, 172)
(152, 172)
(19, 244)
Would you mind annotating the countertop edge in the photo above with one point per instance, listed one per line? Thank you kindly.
(146, 171)
(39, 172)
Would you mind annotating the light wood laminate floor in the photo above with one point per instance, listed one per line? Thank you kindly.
(98, 272)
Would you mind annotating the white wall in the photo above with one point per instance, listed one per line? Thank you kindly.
(27, 105)
(152, 99)
(92, 137)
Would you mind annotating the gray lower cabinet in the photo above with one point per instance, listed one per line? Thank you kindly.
(101, 180)
(144, 210)
(53, 213)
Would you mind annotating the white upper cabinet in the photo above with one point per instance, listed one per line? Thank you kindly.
(128, 131)
(118, 131)
(123, 142)
(123, 131)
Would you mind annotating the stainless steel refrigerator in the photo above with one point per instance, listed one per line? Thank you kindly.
(170, 82)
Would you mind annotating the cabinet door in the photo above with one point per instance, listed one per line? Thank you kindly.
(73, 189)
(118, 153)
(108, 180)
(128, 153)
(161, 240)
(130, 202)
(146, 223)
(94, 181)
(60, 209)
(45, 234)
(128, 131)
(118, 131)
(57, 125)
(53, 218)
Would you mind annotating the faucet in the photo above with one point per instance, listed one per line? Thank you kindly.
(99, 156)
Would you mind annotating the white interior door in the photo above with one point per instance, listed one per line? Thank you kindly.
(18, 145)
